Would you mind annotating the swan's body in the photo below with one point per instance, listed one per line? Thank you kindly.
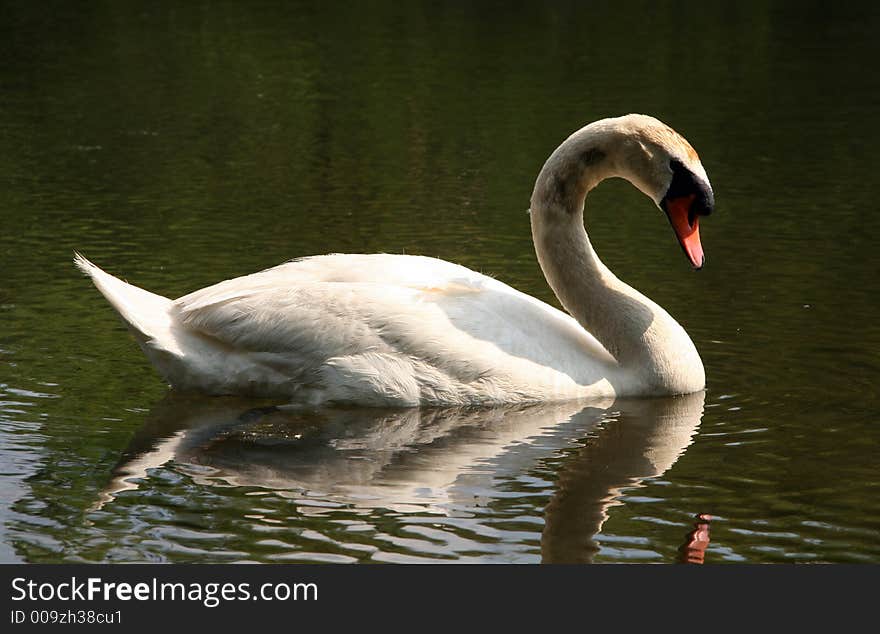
(395, 330)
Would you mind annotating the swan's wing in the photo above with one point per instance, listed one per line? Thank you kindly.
(408, 271)
(461, 322)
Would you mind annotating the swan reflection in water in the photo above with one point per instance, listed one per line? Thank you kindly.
(444, 461)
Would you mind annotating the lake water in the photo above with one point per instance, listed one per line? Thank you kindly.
(179, 145)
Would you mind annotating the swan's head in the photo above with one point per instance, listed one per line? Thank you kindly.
(664, 166)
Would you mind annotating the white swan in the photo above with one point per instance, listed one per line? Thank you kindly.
(396, 330)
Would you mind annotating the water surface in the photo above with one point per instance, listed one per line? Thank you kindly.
(178, 146)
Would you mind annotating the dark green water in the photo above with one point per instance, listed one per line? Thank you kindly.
(178, 144)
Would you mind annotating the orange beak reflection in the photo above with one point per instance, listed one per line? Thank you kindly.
(686, 228)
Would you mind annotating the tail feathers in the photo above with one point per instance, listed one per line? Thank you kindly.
(148, 315)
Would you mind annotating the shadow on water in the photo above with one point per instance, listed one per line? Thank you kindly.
(444, 459)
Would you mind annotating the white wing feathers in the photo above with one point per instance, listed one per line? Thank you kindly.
(368, 329)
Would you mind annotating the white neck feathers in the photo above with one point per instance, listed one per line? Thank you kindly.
(654, 352)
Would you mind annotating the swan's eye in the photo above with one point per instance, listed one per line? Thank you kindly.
(686, 183)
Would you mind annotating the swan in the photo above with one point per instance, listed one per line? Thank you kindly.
(401, 330)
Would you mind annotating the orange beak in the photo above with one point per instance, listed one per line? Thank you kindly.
(686, 227)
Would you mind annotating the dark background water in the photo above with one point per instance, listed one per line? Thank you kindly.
(178, 144)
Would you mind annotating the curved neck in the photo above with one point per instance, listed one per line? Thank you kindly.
(642, 337)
